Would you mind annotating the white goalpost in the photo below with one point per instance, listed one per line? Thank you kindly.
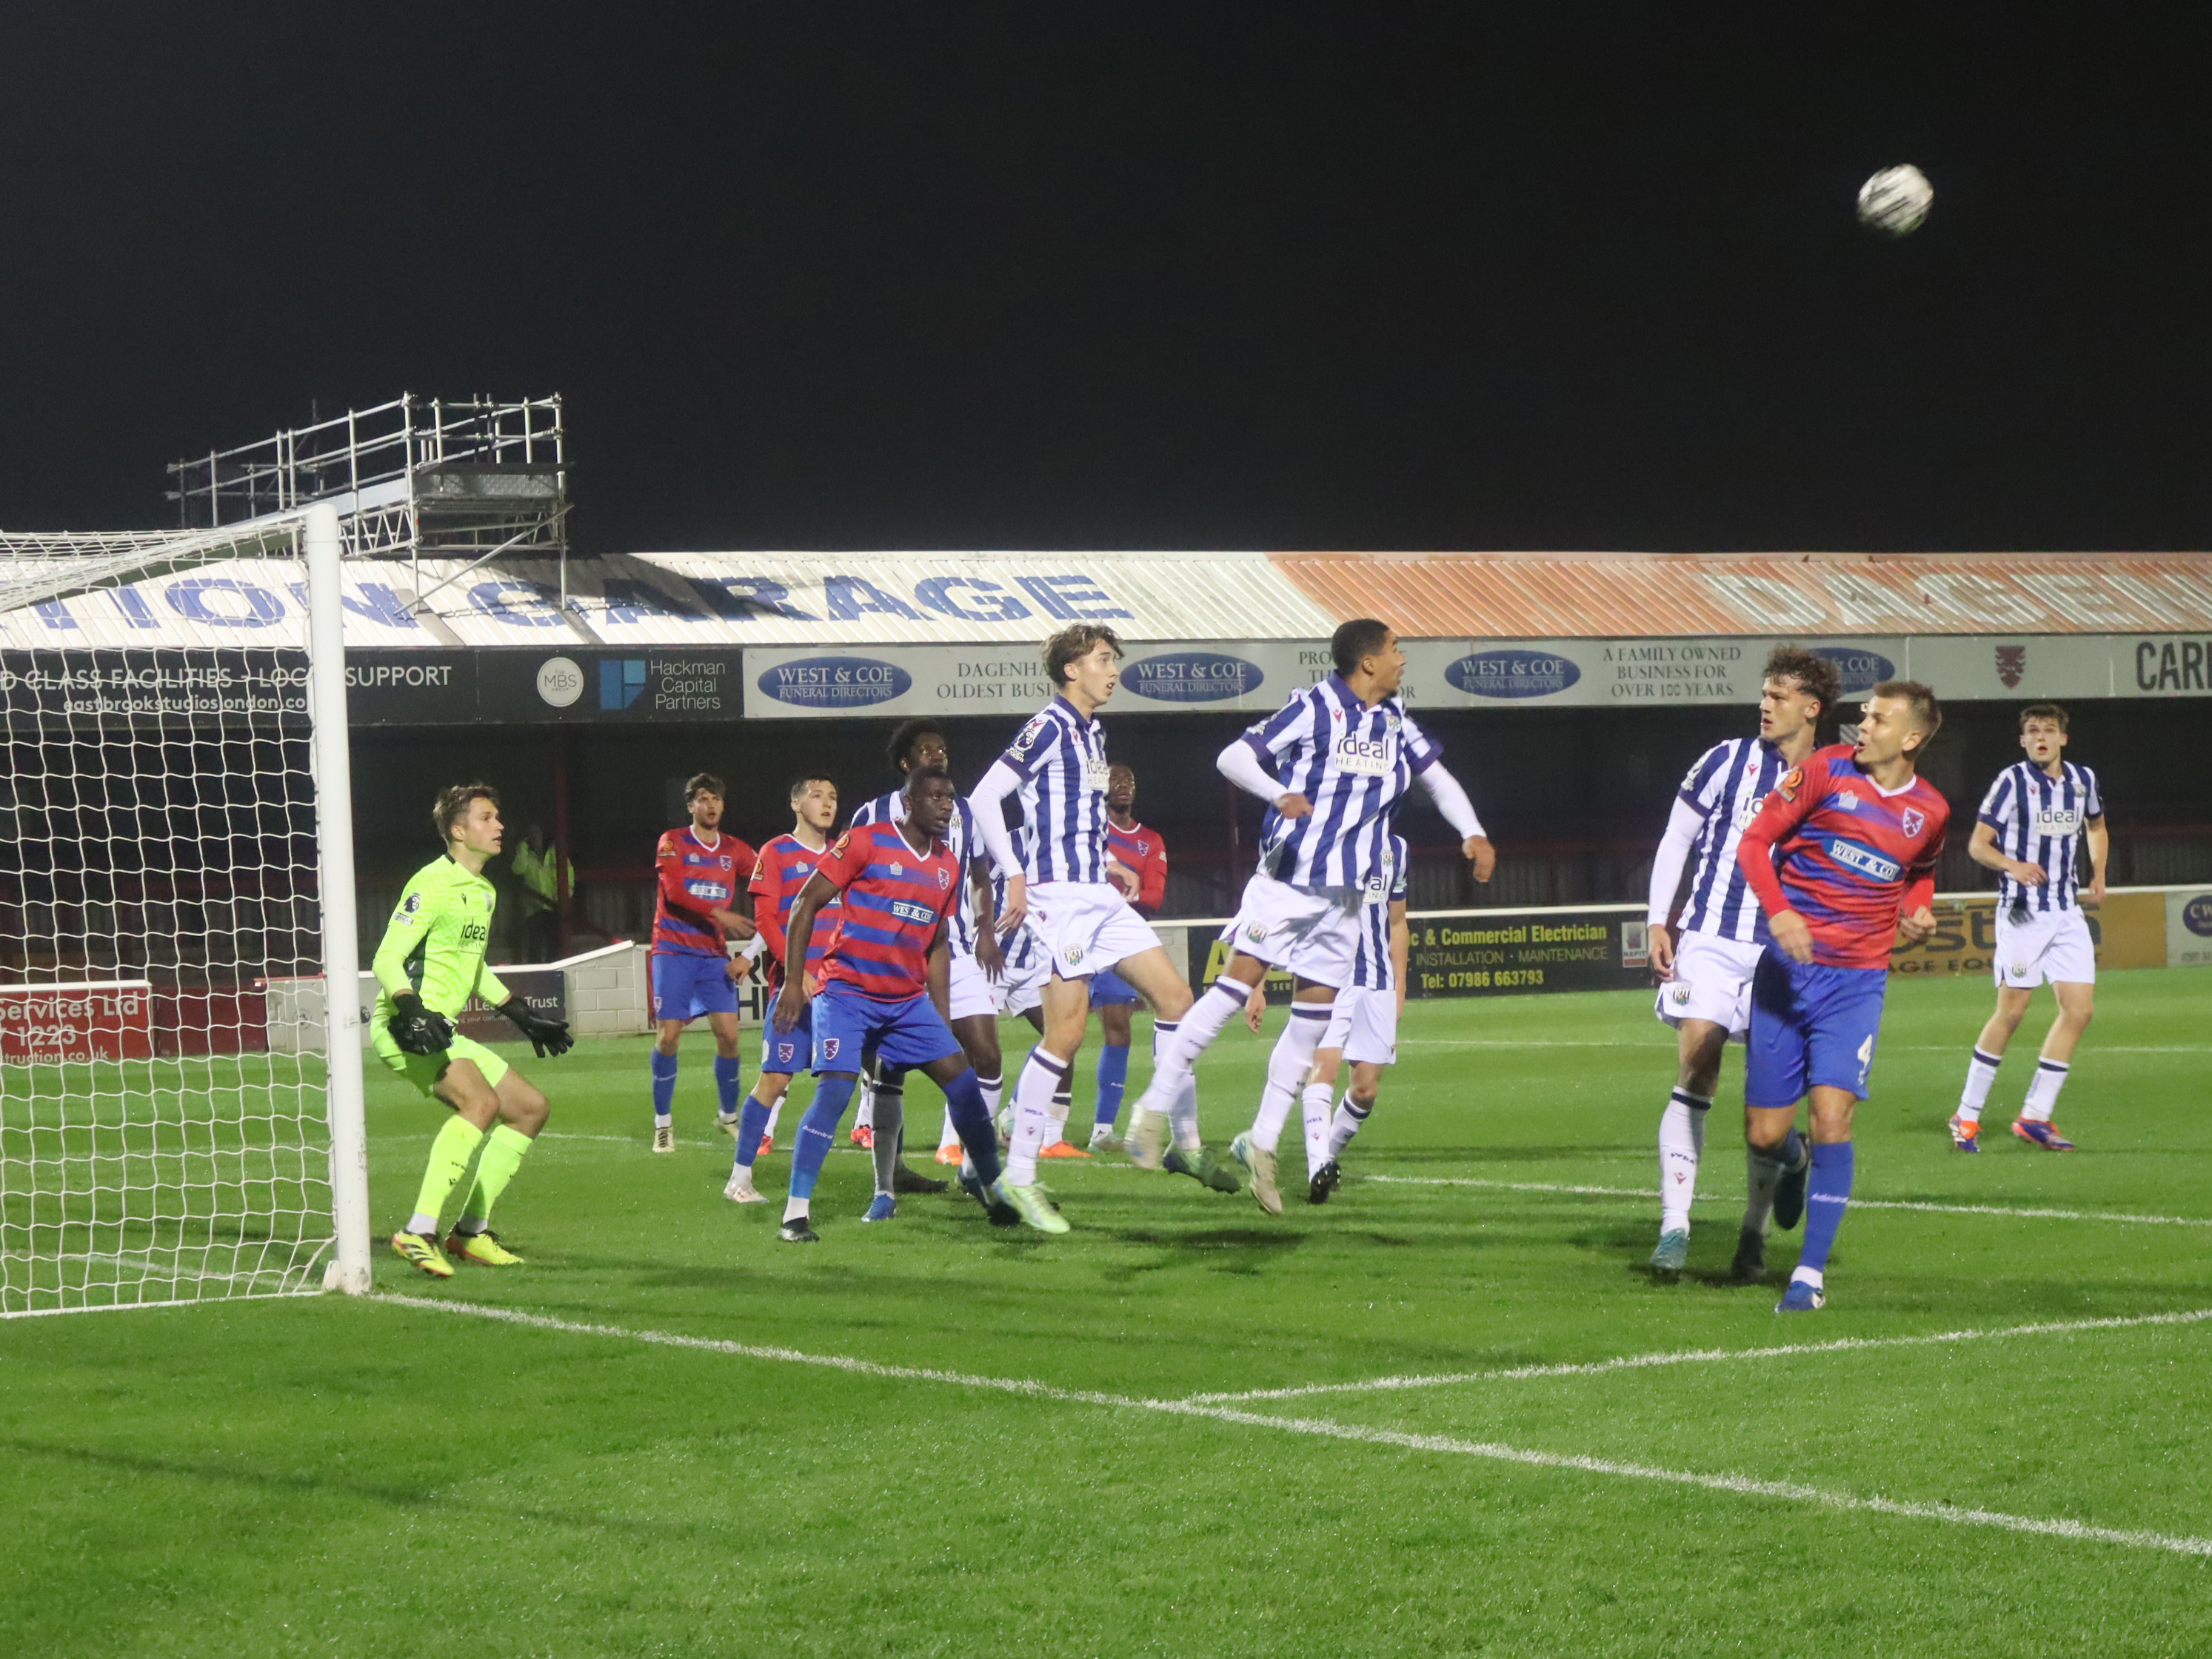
(179, 835)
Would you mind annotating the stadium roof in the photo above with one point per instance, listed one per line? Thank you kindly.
(797, 599)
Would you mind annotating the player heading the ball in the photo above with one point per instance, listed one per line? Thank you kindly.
(1842, 857)
(429, 964)
(2031, 829)
(1332, 763)
(1077, 901)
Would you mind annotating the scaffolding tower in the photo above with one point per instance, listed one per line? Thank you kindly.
(416, 478)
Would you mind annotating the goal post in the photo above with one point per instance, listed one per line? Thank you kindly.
(178, 847)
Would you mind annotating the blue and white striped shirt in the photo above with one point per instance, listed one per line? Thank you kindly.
(1021, 946)
(1061, 758)
(1354, 763)
(1371, 967)
(1728, 786)
(960, 840)
(2039, 820)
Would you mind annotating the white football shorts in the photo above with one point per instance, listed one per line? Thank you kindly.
(1712, 983)
(1085, 925)
(1364, 1025)
(1314, 935)
(2046, 945)
(967, 989)
(1022, 987)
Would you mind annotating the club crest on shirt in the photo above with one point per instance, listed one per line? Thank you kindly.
(1074, 954)
(1255, 930)
(829, 1046)
(1913, 821)
(943, 879)
(1681, 995)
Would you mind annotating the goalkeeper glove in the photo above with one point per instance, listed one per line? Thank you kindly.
(548, 1037)
(417, 1029)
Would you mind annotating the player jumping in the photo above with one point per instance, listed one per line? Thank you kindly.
(430, 963)
(2030, 831)
(695, 917)
(1332, 764)
(1078, 906)
(884, 990)
(1857, 831)
(1705, 974)
(781, 870)
(976, 961)
(1363, 1027)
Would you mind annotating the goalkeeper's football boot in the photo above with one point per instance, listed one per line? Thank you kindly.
(1789, 1191)
(483, 1249)
(1148, 1135)
(420, 1250)
(664, 1138)
(1032, 1203)
(1324, 1183)
(1673, 1253)
(882, 1207)
(1002, 1213)
(1202, 1167)
(1965, 1136)
(2043, 1132)
(1802, 1298)
(864, 1137)
(1750, 1254)
(800, 1229)
(1262, 1166)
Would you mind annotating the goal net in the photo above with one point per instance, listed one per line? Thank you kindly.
(163, 862)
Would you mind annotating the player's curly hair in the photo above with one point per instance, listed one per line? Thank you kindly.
(453, 806)
(906, 734)
(1073, 642)
(1815, 675)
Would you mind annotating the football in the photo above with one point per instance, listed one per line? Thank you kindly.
(1895, 200)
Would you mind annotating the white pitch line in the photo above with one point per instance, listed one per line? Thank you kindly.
(1736, 1485)
(1708, 1355)
(2036, 1214)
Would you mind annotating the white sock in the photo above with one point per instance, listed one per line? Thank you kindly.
(2043, 1090)
(1315, 1104)
(664, 1120)
(774, 1113)
(425, 1225)
(1274, 1112)
(1292, 1059)
(947, 1134)
(1981, 1072)
(865, 1117)
(1177, 1044)
(795, 1209)
(1350, 1118)
(992, 1088)
(1041, 1079)
(1182, 1107)
(1682, 1143)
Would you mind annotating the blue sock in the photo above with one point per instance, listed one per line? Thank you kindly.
(727, 1075)
(1113, 1077)
(818, 1131)
(1827, 1189)
(750, 1128)
(664, 1083)
(963, 1097)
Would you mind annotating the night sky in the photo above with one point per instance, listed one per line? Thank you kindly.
(1286, 277)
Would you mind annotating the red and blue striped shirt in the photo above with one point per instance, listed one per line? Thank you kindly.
(894, 899)
(695, 876)
(784, 864)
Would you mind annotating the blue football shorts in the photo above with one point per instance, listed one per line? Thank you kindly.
(1812, 1025)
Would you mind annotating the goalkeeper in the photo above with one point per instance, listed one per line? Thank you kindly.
(431, 962)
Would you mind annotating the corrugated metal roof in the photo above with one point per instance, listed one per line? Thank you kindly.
(1595, 595)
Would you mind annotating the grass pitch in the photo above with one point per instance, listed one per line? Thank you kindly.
(1447, 1413)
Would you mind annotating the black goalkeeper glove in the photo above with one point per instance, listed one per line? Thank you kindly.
(548, 1037)
(417, 1029)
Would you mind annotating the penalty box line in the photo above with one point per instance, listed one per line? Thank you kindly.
(2021, 1212)
(1708, 1357)
(1492, 1451)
